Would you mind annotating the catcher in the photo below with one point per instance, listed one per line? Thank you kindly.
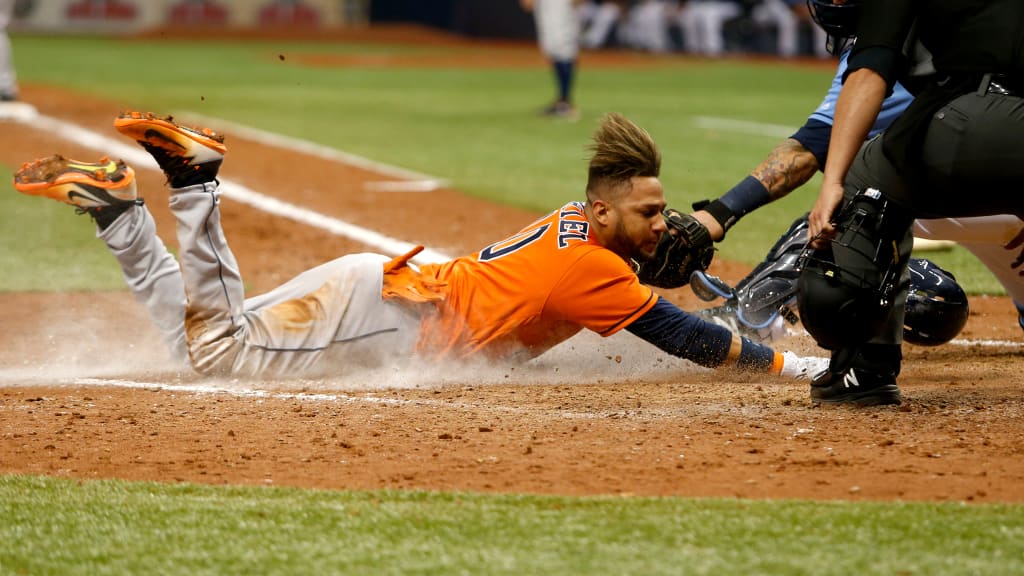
(514, 299)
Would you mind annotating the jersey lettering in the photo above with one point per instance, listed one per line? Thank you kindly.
(572, 230)
(572, 224)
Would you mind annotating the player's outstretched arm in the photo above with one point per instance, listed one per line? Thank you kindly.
(687, 336)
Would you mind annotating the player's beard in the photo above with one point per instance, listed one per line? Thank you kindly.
(627, 246)
(648, 254)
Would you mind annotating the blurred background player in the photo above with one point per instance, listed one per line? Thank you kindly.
(8, 81)
(646, 26)
(779, 15)
(819, 38)
(558, 33)
(703, 21)
(706, 27)
(598, 20)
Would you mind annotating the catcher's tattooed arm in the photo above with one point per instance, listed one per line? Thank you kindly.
(793, 161)
(787, 167)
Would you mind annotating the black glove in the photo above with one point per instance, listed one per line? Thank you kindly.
(684, 248)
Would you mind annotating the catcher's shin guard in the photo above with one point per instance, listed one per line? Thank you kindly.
(768, 291)
(762, 301)
(710, 288)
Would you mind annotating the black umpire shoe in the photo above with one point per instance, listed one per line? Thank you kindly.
(855, 386)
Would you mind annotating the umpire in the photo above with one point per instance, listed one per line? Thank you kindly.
(958, 150)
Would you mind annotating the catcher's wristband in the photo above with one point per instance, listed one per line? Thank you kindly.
(720, 212)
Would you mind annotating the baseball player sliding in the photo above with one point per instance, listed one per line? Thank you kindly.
(513, 299)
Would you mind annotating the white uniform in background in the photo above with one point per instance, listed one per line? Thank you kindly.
(597, 19)
(647, 24)
(8, 82)
(558, 30)
(997, 241)
(780, 15)
(702, 22)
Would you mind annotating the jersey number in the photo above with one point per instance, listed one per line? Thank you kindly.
(512, 244)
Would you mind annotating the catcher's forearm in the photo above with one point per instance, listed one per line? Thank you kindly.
(788, 166)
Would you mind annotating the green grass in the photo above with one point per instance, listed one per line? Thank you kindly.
(56, 526)
(475, 127)
(47, 247)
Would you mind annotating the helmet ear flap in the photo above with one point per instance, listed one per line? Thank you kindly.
(937, 307)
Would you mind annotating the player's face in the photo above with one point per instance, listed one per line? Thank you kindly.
(638, 220)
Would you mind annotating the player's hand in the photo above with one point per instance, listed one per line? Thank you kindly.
(820, 227)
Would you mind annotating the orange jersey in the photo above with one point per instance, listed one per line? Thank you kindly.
(528, 292)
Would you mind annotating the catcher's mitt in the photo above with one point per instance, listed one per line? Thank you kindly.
(684, 248)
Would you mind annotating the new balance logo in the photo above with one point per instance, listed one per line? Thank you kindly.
(850, 380)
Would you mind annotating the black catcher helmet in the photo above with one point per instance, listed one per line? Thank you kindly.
(936, 308)
(839, 21)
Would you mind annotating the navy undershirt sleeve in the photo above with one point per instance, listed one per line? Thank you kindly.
(682, 334)
(814, 136)
(688, 336)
